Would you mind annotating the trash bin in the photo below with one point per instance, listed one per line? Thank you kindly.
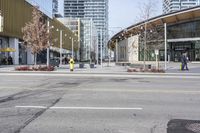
(54, 62)
(149, 66)
(81, 65)
(91, 65)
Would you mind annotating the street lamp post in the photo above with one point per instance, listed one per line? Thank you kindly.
(60, 46)
(165, 26)
(101, 48)
(97, 54)
(116, 49)
(48, 48)
(145, 45)
(72, 47)
(109, 54)
(48, 44)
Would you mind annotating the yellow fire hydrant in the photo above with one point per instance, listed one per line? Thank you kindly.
(71, 64)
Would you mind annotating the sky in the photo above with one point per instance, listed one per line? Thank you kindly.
(122, 13)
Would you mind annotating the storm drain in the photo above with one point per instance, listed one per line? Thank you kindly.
(183, 126)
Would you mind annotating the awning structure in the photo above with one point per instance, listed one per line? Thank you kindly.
(186, 15)
(7, 50)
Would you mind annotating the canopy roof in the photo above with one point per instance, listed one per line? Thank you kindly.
(170, 19)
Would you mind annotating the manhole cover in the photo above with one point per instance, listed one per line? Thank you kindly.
(183, 126)
(195, 127)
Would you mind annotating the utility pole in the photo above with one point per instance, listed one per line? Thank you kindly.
(165, 25)
(145, 45)
(101, 48)
(91, 39)
(72, 47)
(48, 43)
(116, 49)
(60, 47)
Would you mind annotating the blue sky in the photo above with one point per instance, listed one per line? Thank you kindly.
(122, 13)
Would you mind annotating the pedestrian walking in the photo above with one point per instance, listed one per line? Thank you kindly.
(184, 61)
(71, 64)
(10, 60)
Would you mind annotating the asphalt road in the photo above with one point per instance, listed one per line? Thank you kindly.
(97, 104)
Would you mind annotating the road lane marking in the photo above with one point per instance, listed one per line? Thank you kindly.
(36, 107)
(141, 91)
(79, 108)
(95, 108)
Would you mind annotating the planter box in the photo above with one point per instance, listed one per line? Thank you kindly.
(91, 65)
(81, 65)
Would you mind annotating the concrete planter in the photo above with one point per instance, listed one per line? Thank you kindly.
(81, 65)
(91, 65)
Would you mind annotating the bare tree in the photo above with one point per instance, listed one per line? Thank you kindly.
(146, 10)
(149, 34)
(35, 34)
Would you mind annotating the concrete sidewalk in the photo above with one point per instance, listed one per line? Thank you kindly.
(173, 68)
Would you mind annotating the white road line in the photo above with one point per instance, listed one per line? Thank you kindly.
(36, 107)
(96, 108)
(142, 91)
(80, 108)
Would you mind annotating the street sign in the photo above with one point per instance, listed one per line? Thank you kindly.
(156, 52)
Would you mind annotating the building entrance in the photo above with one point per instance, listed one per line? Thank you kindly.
(178, 48)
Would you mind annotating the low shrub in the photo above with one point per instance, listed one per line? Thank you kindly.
(153, 70)
(22, 68)
(35, 68)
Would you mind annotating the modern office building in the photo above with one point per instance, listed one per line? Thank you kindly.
(57, 8)
(97, 10)
(87, 33)
(14, 15)
(175, 5)
(172, 34)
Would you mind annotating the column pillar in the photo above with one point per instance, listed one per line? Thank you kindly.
(14, 43)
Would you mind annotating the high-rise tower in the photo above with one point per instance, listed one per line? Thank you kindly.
(175, 5)
(97, 10)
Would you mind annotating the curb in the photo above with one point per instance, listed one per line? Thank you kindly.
(100, 73)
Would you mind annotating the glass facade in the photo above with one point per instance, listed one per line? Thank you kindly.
(182, 38)
(55, 6)
(97, 10)
(87, 33)
(184, 30)
(45, 6)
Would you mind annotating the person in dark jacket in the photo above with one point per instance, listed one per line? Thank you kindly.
(184, 61)
(10, 60)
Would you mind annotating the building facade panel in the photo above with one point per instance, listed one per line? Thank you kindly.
(97, 10)
(15, 15)
(176, 5)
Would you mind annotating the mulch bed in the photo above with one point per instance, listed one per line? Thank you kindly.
(35, 68)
